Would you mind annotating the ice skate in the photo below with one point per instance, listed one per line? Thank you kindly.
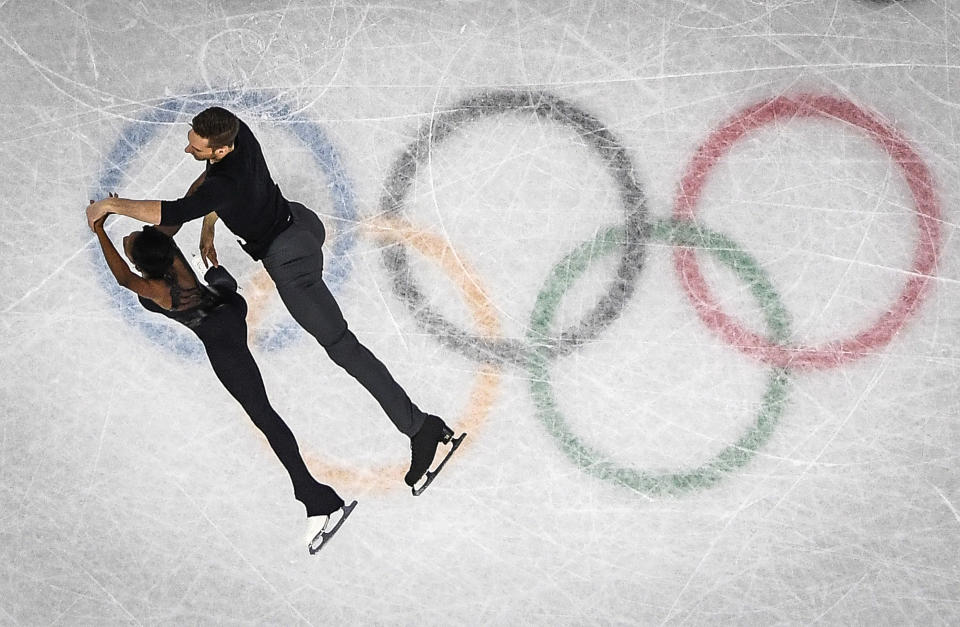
(423, 447)
(321, 528)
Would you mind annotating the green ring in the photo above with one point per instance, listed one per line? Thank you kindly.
(596, 463)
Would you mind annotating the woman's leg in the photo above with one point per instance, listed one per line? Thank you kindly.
(224, 337)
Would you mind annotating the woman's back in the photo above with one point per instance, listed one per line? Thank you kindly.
(190, 301)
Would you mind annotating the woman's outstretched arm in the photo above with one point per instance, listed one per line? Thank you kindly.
(156, 291)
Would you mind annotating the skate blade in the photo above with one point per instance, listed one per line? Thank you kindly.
(430, 474)
(320, 540)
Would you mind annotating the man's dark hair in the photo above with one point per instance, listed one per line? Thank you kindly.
(216, 125)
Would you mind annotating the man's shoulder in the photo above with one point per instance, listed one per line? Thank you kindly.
(244, 130)
(246, 141)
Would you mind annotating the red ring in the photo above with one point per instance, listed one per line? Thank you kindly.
(919, 180)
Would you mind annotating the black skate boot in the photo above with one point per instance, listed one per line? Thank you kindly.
(324, 501)
(423, 448)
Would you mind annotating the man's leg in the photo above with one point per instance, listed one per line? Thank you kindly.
(295, 263)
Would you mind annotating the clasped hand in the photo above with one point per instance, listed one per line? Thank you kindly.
(97, 211)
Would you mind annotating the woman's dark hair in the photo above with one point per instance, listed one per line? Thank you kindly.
(216, 125)
(154, 252)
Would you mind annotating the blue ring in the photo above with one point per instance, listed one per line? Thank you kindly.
(266, 104)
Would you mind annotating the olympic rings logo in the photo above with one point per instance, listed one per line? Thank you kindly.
(539, 348)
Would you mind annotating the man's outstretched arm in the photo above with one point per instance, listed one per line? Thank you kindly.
(144, 210)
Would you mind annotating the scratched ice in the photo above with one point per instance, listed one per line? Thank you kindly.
(762, 432)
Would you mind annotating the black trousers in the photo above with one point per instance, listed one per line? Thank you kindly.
(295, 263)
(224, 336)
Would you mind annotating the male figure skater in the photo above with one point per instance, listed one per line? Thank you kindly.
(236, 187)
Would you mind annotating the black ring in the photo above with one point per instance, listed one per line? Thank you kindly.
(614, 155)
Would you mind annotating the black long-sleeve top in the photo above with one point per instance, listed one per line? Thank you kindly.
(241, 191)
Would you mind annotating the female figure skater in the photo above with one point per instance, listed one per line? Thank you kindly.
(217, 315)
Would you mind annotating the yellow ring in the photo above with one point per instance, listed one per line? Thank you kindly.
(483, 392)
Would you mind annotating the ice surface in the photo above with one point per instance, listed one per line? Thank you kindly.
(641, 470)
